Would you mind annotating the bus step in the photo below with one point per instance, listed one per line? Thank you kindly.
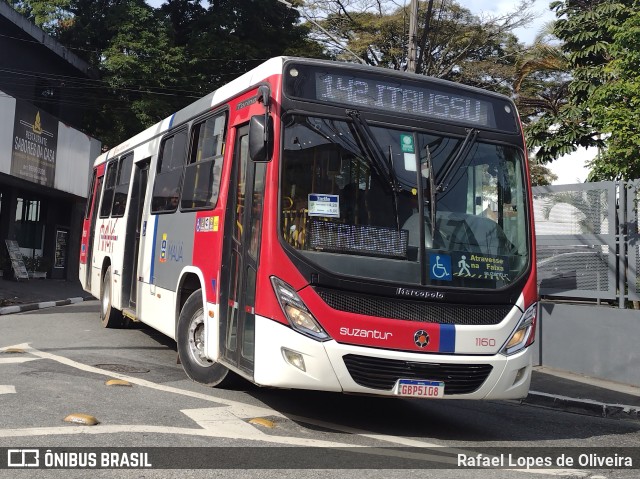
(129, 313)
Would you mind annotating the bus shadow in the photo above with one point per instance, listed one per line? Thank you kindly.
(156, 336)
(484, 422)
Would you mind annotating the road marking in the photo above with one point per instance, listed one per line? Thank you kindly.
(237, 408)
(7, 389)
(16, 360)
(404, 441)
(221, 422)
(221, 419)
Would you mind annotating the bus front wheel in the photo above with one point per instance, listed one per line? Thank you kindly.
(109, 316)
(191, 341)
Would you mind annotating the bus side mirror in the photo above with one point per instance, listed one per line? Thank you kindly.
(260, 138)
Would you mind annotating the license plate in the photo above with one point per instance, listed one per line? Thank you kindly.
(419, 388)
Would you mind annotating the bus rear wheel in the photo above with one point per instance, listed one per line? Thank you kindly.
(109, 316)
(191, 341)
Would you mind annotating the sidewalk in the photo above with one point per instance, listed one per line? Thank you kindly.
(28, 295)
(583, 395)
(549, 388)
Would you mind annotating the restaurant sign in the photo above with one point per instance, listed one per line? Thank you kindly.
(35, 139)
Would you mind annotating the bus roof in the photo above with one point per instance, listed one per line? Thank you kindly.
(216, 97)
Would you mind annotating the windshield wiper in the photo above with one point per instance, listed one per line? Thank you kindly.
(432, 192)
(383, 166)
(368, 141)
(461, 154)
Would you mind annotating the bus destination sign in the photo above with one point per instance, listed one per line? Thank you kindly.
(385, 95)
(390, 93)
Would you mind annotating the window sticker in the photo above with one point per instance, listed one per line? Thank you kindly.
(481, 266)
(406, 142)
(207, 224)
(440, 267)
(409, 152)
(163, 248)
(324, 205)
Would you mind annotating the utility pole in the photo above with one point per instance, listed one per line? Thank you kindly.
(413, 36)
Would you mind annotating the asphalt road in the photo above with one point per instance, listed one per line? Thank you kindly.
(56, 362)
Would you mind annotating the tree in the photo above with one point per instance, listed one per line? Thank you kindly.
(615, 103)
(597, 43)
(185, 18)
(232, 36)
(541, 85)
(453, 43)
(130, 46)
(542, 96)
(541, 175)
(46, 14)
(152, 62)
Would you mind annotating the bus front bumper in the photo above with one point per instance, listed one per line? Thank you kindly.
(325, 369)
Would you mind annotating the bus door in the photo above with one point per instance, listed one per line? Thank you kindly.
(134, 231)
(92, 230)
(243, 224)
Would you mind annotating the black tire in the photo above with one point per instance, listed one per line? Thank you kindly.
(109, 316)
(190, 340)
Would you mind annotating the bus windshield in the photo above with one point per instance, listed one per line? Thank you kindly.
(351, 193)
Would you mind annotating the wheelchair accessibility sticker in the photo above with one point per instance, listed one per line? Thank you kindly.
(440, 267)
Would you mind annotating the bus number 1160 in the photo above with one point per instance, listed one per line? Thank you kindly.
(485, 342)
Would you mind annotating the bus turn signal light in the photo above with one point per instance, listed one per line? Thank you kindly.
(524, 333)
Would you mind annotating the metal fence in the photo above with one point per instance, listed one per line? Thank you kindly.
(632, 251)
(582, 240)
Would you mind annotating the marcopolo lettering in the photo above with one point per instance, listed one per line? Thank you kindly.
(246, 103)
(419, 293)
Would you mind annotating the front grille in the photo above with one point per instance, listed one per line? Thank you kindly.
(469, 314)
(379, 373)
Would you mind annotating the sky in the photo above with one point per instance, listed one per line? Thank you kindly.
(526, 35)
(569, 168)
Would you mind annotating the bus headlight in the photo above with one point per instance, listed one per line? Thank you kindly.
(524, 334)
(296, 311)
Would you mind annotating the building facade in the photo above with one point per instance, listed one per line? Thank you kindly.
(45, 158)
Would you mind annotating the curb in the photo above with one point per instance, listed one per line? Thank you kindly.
(21, 308)
(582, 406)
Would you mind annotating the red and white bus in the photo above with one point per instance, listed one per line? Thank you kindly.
(326, 226)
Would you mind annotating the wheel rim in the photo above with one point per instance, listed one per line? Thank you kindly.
(197, 340)
(106, 298)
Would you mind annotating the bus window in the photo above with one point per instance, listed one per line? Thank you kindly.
(88, 207)
(109, 186)
(122, 185)
(202, 174)
(166, 188)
